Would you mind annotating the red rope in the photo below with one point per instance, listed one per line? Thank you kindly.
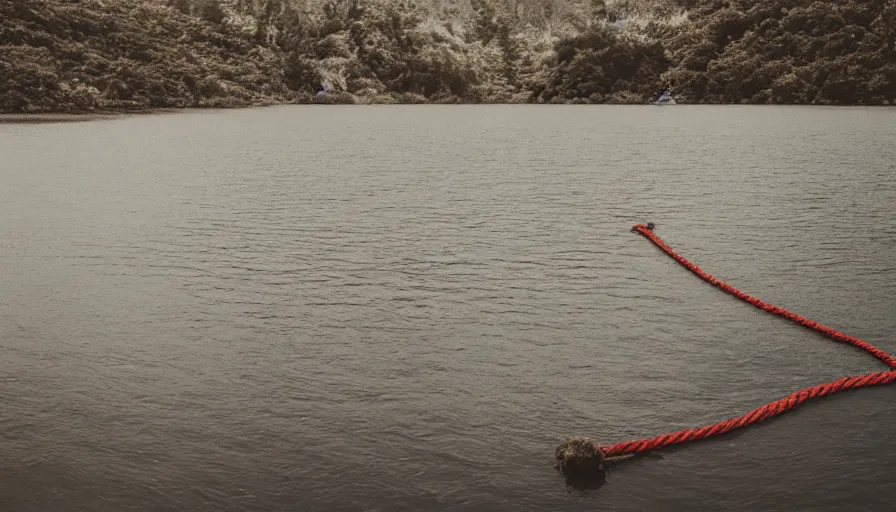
(766, 411)
(775, 310)
(769, 410)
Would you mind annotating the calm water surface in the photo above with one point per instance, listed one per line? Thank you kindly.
(407, 308)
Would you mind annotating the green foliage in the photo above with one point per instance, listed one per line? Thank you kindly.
(64, 55)
(604, 66)
(786, 52)
(485, 26)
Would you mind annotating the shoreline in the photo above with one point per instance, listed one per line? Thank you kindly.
(103, 115)
(78, 117)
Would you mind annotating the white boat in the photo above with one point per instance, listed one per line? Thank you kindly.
(665, 98)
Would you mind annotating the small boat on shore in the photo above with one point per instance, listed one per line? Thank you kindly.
(665, 98)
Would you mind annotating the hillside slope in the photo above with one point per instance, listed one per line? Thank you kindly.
(76, 55)
(787, 51)
(58, 56)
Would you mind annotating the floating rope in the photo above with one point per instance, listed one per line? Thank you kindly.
(889, 360)
(575, 448)
(766, 411)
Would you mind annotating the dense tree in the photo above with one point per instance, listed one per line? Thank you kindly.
(75, 55)
(787, 52)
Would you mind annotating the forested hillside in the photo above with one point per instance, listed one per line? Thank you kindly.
(77, 55)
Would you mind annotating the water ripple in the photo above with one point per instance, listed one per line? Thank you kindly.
(401, 311)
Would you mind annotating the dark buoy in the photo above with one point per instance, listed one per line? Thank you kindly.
(651, 225)
(580, 458)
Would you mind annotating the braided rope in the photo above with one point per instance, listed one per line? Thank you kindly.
(774, 408)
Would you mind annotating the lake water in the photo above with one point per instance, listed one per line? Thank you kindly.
(409, 307)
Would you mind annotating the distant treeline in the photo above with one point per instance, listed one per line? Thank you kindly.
(77, 55)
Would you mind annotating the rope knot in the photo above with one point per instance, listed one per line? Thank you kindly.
(580, 458)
